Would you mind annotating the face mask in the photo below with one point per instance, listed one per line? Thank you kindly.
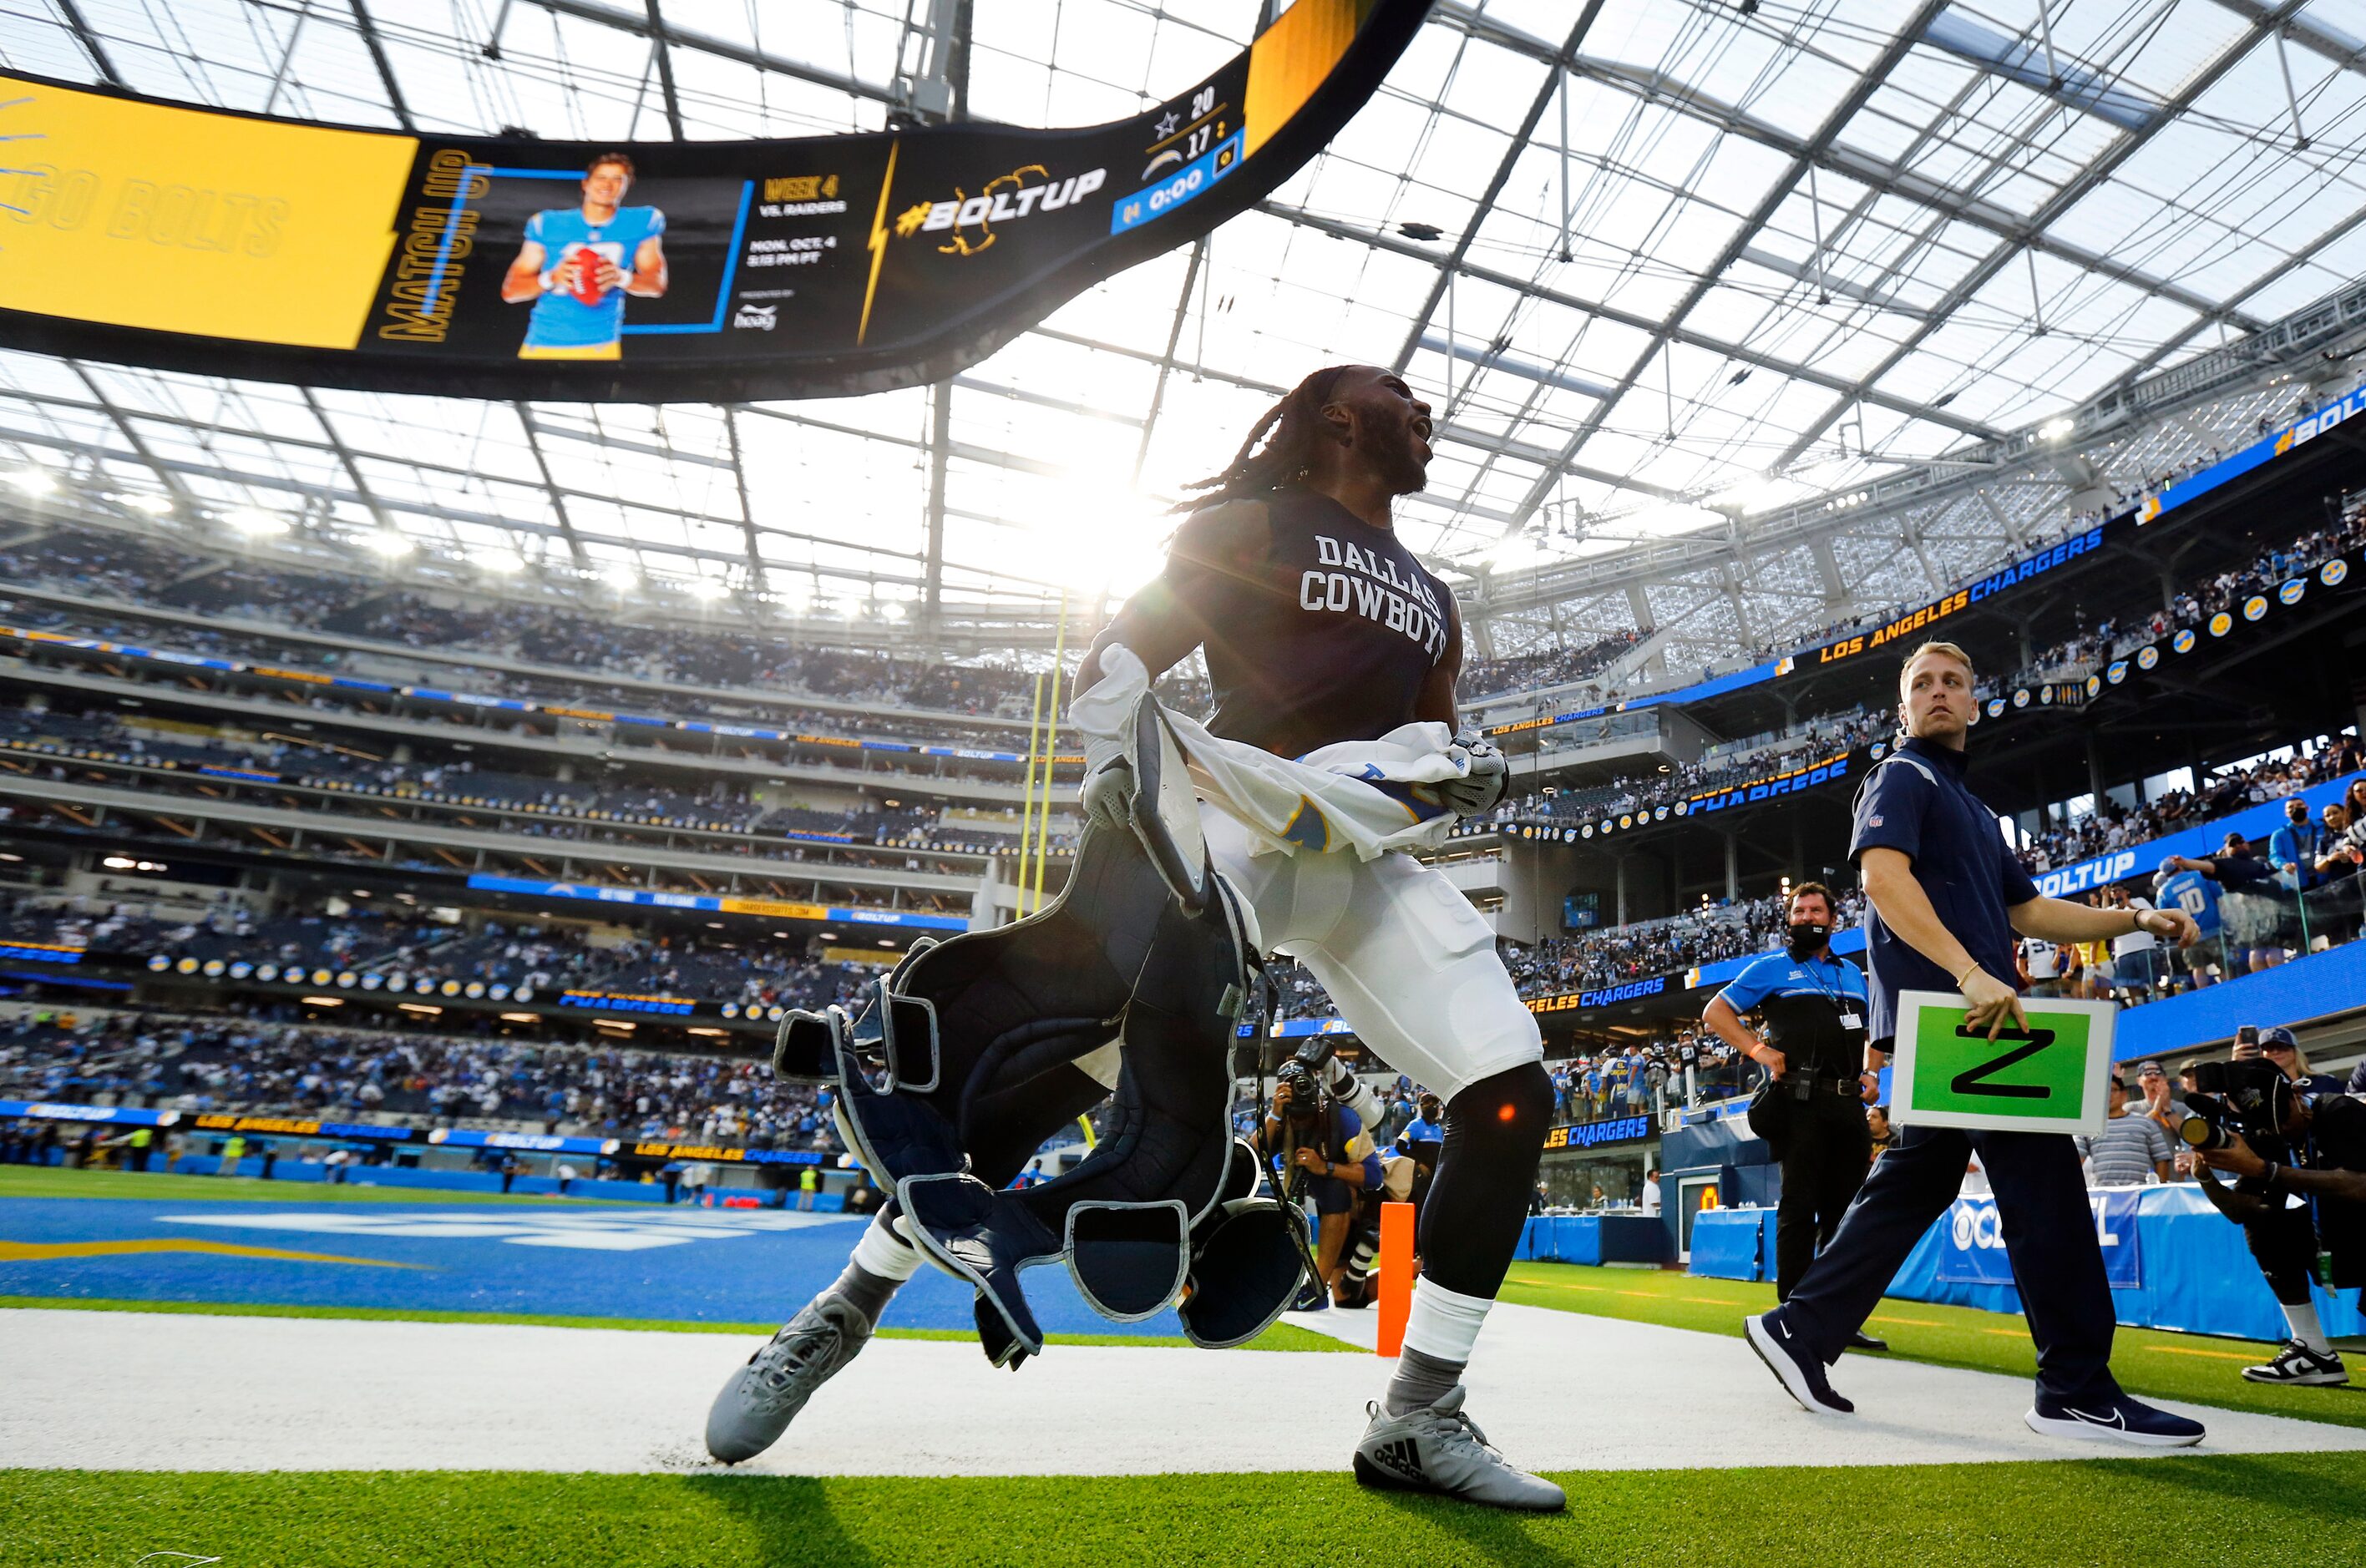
(1807, 940)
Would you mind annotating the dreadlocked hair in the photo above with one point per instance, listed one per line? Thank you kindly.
(1290, 429)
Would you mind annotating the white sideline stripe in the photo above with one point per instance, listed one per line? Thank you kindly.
(1555, 1391)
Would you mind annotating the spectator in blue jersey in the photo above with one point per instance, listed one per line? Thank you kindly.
(2292, 848)
(2177, 885)
(578, 263)
(1811, 1110)
(1616, 1075)
(2245, 918)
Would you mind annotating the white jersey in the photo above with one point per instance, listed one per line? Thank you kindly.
(1312, 846)
(1368, 796)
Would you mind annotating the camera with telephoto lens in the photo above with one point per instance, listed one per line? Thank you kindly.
(1305, 1089)
(2249, 1099)
(1301, 1074)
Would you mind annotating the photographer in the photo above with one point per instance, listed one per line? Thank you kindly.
(1310, 1132)
(2299, 1160)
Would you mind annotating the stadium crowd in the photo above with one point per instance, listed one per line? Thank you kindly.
(2090, 648)
(401, 940)
(266, 1069)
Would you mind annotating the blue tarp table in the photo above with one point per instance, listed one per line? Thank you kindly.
(1594, 1238)
(1733, 1244)
(2189, 1272)
(2192, 1270)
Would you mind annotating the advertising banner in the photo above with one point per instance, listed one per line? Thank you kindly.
(1971, 1245)
(158, 233)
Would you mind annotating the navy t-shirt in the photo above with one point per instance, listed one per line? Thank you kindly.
(1325, 633)
(1916, 802)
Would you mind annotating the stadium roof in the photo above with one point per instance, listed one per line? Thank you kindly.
(1667, 267)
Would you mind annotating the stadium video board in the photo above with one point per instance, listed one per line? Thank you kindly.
(156, 233)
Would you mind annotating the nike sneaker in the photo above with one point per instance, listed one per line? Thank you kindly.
(2115, 1419)
(2297, 1363)
(1798, 1368)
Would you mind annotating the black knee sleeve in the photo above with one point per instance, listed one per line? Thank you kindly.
(1478, 1202)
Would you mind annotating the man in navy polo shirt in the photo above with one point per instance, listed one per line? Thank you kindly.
(1947, 896)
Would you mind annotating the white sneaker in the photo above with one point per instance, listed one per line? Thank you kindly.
(2297, 1363)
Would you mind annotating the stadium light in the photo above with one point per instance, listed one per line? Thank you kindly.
(389, 543)
(255, 522)
(147, 503)
(2056, 428)
(706, 589)
(501, 561)
(35, 481)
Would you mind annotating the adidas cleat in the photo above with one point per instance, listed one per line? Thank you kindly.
(1439, 1449)
(762, 1398)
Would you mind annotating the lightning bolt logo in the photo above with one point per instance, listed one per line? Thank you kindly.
(878, 238)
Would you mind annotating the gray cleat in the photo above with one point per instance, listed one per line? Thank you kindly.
(1440, 1450)
(762, 1398)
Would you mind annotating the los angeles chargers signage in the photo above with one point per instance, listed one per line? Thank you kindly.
(1607, 996)
(1832, 770)
(1586, 1135)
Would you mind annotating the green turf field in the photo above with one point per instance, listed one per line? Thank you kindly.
(2058, 1514)
(57, 1181)
(2148, 1361)
(2238, 1510)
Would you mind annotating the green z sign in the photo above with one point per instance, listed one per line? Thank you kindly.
(2047, 1078)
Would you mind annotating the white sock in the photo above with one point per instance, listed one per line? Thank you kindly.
(885, 1252)
(2307, 1330)
(1445, 1324)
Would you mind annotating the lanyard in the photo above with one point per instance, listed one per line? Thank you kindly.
(1839, 999)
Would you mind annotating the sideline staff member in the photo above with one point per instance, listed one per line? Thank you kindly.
(1946, 897)
(1812, 1110)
